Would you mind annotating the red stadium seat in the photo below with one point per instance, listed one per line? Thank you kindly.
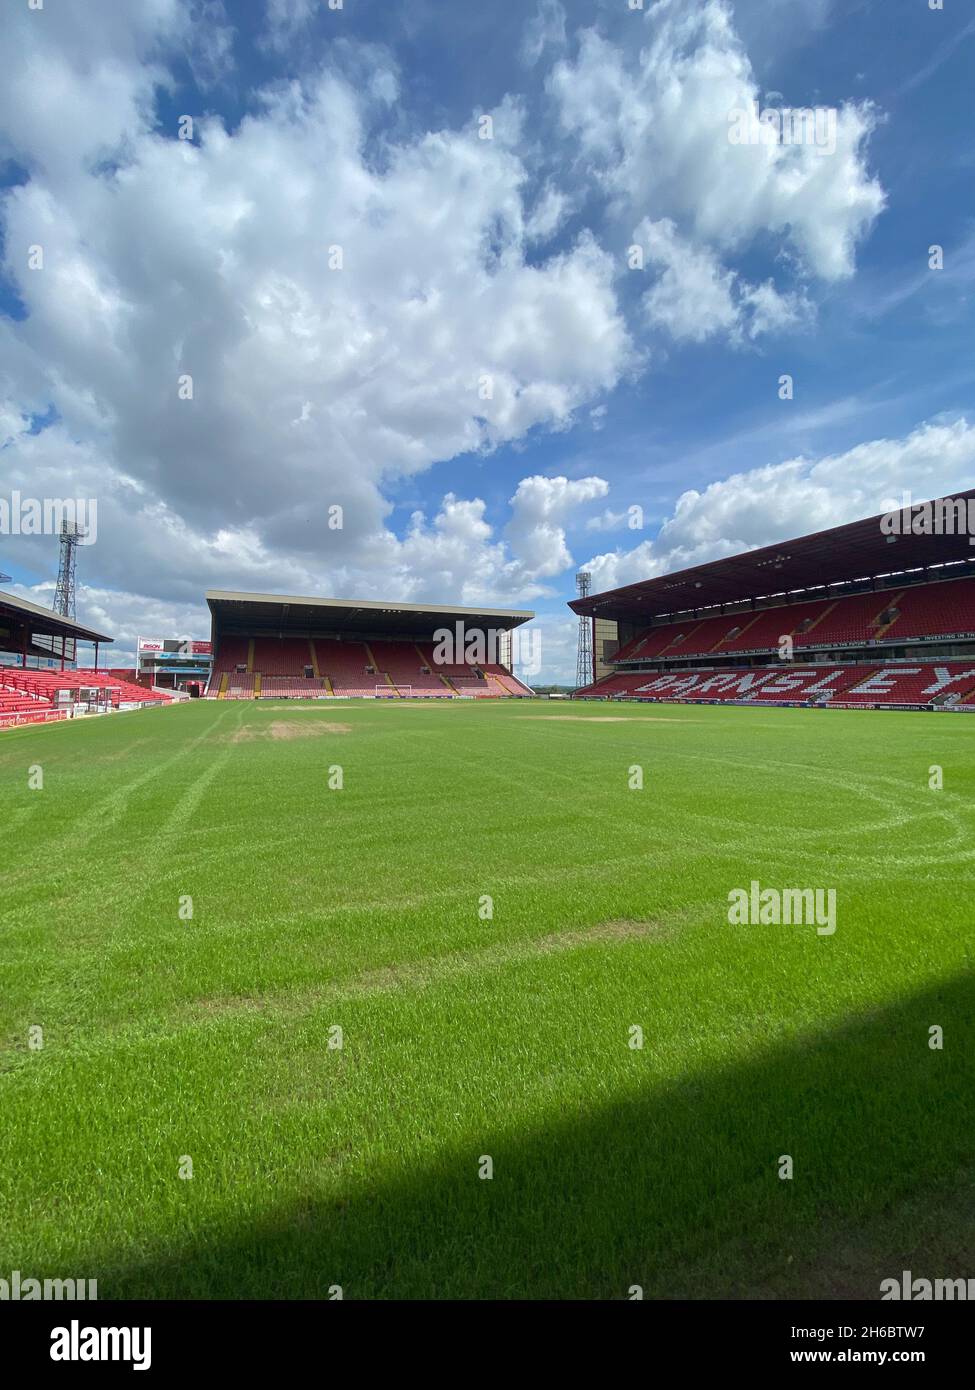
(928, 683)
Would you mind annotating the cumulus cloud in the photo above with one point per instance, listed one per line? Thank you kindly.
(695, 298)
(287, 20)
(247, 328)
(652, 124)
(233, 333)
(779, 501)
(545, 28)
(692, 297)
(539, 511)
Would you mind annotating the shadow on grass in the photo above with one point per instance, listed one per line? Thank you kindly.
(674, 1187)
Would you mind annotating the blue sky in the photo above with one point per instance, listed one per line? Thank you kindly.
(484, 383)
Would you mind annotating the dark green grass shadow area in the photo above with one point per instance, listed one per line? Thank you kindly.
(674, 1187)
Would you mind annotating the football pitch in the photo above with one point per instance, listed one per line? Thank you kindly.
(305, 997)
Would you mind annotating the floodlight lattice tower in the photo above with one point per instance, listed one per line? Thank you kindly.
(584, 653)
(64, 594)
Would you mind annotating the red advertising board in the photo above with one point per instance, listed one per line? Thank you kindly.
(41, 716)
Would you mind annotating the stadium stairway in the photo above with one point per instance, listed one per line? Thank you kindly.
(736, 634)
(435, 673)
(343, 664)
(946, 606)
(375, 665)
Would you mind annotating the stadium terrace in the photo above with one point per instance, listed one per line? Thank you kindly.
(878, 614)
(279, 646)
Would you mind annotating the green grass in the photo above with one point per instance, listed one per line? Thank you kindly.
(358, 908)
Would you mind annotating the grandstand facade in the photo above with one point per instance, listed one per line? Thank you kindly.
(275, 646)
(879, 614)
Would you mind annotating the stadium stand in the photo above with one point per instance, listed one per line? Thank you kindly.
(848, 621)
(280, 656)
(294, 687)
(932, 610)
(13, 702)
(239, 686)
(881, 616)
(47, 684)
(909, 684)
(508, 683)
(699, 639)
(232, 652)
(478, 686)
(763, 631)
(29, 693)
(428, 653)
(878, 617)
(898, 683)
(404, 664)
(271, 646)
(818, 684)
(346, 665)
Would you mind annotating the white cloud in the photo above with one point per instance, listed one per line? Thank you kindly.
(287, 18)
(311, 385)
(545, 28)
(762, 309)
(445, 333)
(607, 520)
(210, 50)
(84, 78)
(539, 511)
(652, 124)
(550, 211)
(695, 298)
(780, 501)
